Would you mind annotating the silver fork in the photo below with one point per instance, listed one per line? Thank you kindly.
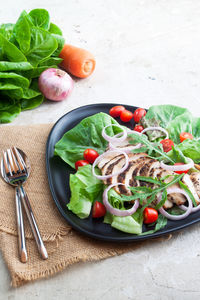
(6, 174)
(17, 172)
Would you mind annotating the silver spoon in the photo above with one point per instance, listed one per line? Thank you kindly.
(18, 174)
(19, 215)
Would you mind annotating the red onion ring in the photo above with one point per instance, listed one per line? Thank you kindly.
(196, 208)
(114, 138)
(104, 177)
(115, 211)
(178, 167)
(156, 128)
(188, 209)
(125, 149)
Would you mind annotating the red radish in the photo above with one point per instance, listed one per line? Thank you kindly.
(55, 84)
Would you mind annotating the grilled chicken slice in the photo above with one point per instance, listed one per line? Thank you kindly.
(117, 165)
(128, 176)
(195, 178)
(141, 165)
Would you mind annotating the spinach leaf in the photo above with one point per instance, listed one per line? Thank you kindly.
(14, 78)
(6, 30)
(55, 29)
(11, 90)
(15, 66)
(27, 48)
(61, 41)
(42, 45)
(10, 51)
(30, 103)
(40, 18)
(22, 32)
(50, 61)
(8, 110)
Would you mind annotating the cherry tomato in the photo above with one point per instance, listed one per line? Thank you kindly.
(138, 128)
(90, 155)
(81, 163)
(126, 115)
(138, 114)
(185, 135)
(180, 172)
(167, 144)
(98, 210)
(150, 215)
(115, 111)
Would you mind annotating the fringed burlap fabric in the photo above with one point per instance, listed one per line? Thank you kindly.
(64, 245)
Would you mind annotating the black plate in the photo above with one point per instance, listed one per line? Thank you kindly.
(58, 176)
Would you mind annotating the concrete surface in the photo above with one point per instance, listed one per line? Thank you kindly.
(147, 52)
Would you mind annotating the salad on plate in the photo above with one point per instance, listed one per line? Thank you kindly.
(148, 174)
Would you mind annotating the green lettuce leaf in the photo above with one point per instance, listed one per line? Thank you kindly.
(85, 189)
(87, 134)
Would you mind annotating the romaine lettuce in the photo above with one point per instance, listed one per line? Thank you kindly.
(85, 189)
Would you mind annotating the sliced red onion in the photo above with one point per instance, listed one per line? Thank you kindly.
(178, 167)
(116, 137)
(104, 177)
(125, 149)
(156, 128)
(115, 211)
(196, 208)
(187, 209)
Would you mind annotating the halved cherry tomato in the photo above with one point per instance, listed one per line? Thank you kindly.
(115, 111)
(180, 172)
(98, 210)
(126, 115)
(138, 114)
(81, 163)
(150, 215)
(185, 135)
(138, 128)
(167, 144)
(90, 155)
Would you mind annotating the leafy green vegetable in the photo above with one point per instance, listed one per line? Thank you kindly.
(126, 224)
(22, 32)
(150, 148)
(55, 29)
(176, 120)
(27, 48)
(87, 134)
(40, 18)
(6, 30)
(42, 45)
(85, 189)
(150, 194)
(160, 223)
(187, 190)
(15, 66)
(189, 148)
(164, 113)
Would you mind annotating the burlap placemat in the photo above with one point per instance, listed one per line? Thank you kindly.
(64, 245)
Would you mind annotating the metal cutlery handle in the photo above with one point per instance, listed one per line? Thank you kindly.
(33, 224)
(20, 227)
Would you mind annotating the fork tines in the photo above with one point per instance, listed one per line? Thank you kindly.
(13, 162)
